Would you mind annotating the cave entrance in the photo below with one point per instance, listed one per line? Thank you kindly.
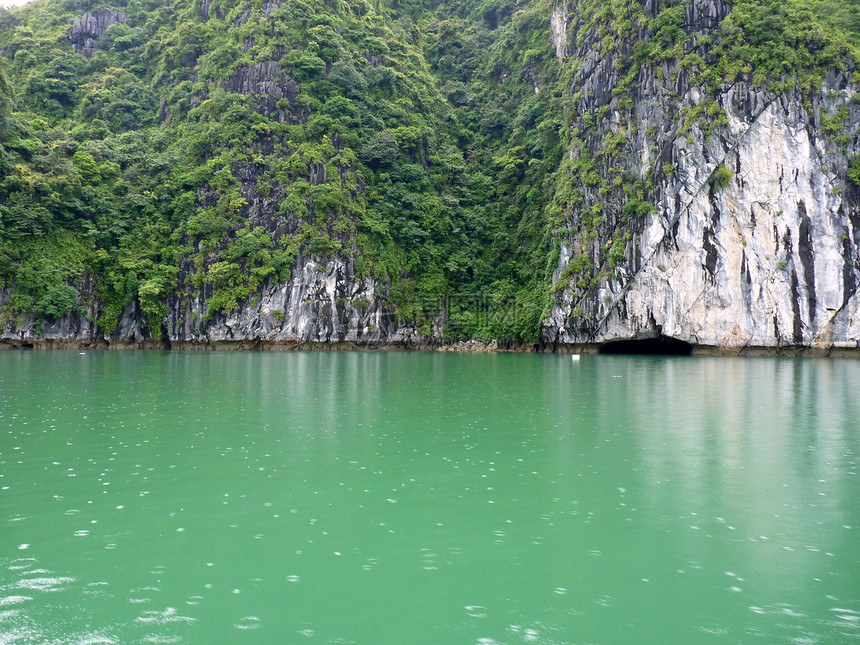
(659, 346)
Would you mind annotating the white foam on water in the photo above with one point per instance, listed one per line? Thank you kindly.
(19, 635)
(476, 611)
(96, 639)
(13, 600)
(169, 615)
(21, 567)
(44, 584)
(247, 623)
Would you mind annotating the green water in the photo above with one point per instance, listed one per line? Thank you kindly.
(389, 498)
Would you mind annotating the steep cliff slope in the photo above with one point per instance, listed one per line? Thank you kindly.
(266, 173)
(723, 212)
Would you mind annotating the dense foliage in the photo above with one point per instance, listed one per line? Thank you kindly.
(427, 139)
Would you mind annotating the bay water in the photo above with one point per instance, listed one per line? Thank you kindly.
(382, 498)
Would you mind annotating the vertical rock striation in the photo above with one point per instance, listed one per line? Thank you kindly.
(86, 30)
(752, 238)
(325, 303)
(268, 84)
(558, 26)
(745, 232)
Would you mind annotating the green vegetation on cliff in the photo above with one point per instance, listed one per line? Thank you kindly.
(201, 147)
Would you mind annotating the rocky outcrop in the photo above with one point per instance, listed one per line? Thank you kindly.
(325, 303)
(164, 115)
(268, 8)
(558, 27)
(719, 216)
(705, 15)
(72, 329)
(750, 236)
(86, 29)
(268, 84)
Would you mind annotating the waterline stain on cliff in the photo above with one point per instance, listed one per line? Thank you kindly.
(807, 253)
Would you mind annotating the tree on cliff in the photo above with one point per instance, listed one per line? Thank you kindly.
(443, 147)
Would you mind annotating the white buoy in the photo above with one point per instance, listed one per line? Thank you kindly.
(575, 357)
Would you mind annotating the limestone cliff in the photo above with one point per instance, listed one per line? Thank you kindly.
(752, 237)
(268, 84)
(85, 32)
(324, 304)
(717, 212)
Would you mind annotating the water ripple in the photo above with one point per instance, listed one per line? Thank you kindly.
(13, 600)
(169, 615)
(247, 622)
(44, 584)
(476, 611)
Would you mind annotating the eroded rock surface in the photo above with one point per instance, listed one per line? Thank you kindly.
(86, 30)
(269, 85)
(753, 239)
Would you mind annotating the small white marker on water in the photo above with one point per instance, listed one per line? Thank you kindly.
(574, 357)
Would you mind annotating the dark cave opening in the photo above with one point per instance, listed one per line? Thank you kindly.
(659, 346)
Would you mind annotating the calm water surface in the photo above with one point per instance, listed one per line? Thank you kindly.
(382, 498)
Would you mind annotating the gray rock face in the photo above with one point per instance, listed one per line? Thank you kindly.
(71, 329)
(164, 115)
(558, 26)
(324, 303)
(754, 236)
(749, 236)
(268, 8)
(86, 29)
(705, 15)
(269, 84)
